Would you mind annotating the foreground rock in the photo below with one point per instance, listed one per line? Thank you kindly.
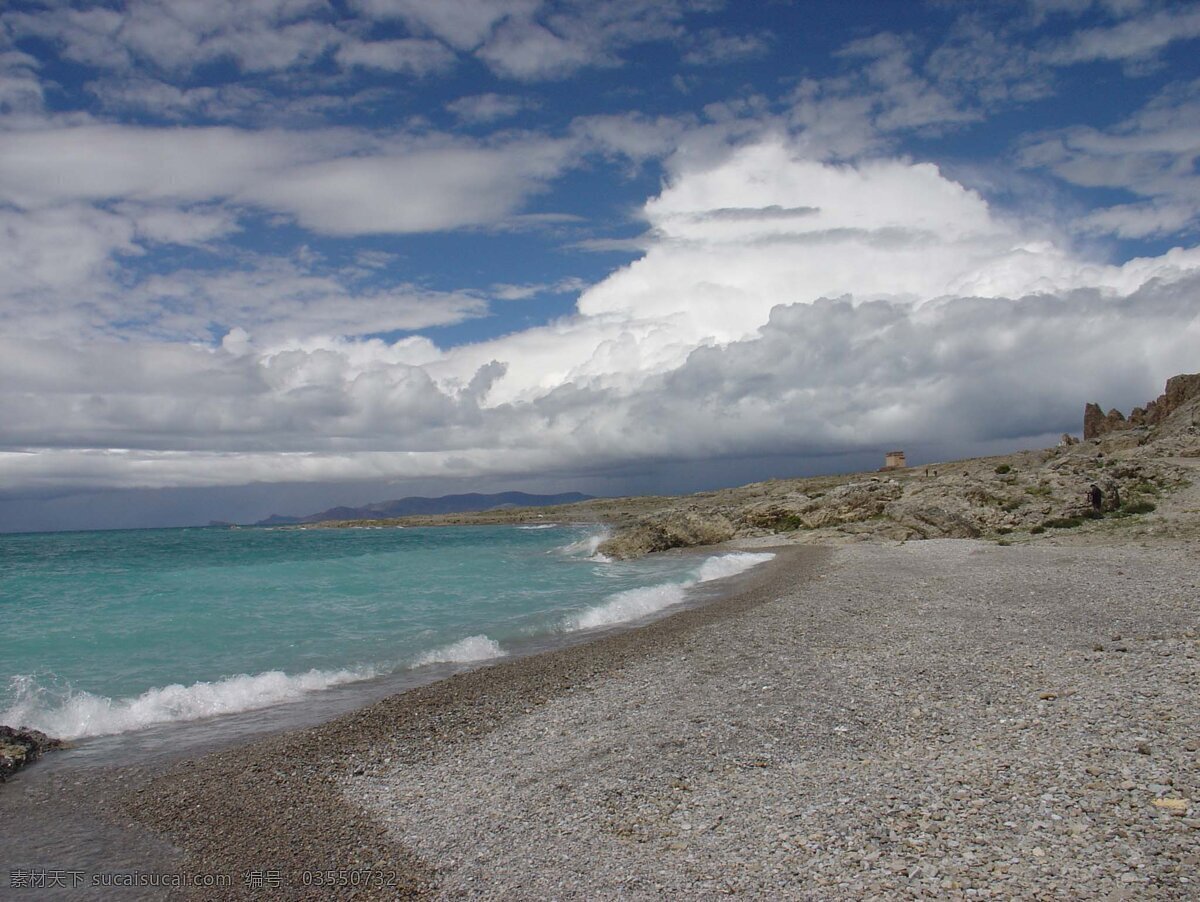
(21, 747)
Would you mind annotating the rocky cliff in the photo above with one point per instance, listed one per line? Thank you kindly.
(1180, 391)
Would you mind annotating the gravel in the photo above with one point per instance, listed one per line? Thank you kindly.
(944, 718)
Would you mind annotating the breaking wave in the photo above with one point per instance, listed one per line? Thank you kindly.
(73, 715)
(464, 651)
(586, 547)
(633, 604)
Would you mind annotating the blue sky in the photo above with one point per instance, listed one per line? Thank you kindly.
(277, 254)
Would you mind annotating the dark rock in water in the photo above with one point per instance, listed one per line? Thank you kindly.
(21, 747)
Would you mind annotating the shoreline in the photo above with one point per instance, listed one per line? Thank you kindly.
(949, 717)
(228, 779)
(201, 735)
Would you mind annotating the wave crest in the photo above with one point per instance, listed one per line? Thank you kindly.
(586, 547)
(633, 604)
(74, 715)
(464, 651)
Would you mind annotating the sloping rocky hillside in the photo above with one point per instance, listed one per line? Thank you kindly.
(1137, 466)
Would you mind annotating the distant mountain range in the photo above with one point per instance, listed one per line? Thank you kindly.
(415, 506)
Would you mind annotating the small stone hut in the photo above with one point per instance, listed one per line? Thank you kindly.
(894, 460)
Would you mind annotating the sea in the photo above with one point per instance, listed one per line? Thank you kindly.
(146, 632)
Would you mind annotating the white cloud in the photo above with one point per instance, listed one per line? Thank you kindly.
(904, 99)
(731, 241)
(950, 321)
(508, 292)
(280, 299)
(178, 35)
(480, 109)
(196, 226)
(336, 182)
(415, 57)
(1139, 38)
(56, 263)
(712, 47)
(527, 50)
(419, 190)
(20, 89)
(463, 24)
(632, 135)
(565, 37)
(1152, 154)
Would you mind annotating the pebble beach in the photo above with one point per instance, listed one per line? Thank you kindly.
(943, 718)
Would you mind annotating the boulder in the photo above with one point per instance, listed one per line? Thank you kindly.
(21, 747)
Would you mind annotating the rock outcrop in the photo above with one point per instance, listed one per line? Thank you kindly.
(21, 747)
(669, 529)
(930, 522)
(1131, 459)
(1180, 390)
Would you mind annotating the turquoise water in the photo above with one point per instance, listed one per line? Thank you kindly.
(108, 632)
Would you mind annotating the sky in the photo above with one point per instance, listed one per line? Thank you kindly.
(267, 256)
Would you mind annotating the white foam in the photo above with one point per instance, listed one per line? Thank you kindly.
(464, 651)
(633, 604)
(72, 715)
(586, 547)
(726, 565)
(540, 526)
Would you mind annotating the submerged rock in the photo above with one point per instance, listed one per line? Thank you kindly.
(21, 747)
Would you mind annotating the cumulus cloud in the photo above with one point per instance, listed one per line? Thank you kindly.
(785, 306)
